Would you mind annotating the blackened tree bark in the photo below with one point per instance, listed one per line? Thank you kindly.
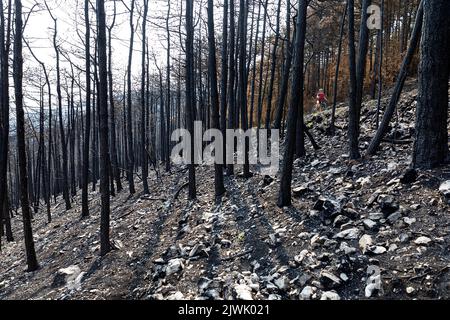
(353, 121)
(112, 112)
(190, 87)
(231, 84)
(255, 54)
(87, 126)
(224, 79)
(296, 106)
(144, 156)
(65, 177)
(362, 57)
(261, 66)
(212, 70)
(20, 127)
(401, 78)
(286, 70)
(273, 67)
(431, 143)
(242, 93)
(4, 113)
(338, 64)
(130, 155)
(168, 99)
(105, 245)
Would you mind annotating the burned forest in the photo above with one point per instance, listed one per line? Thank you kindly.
(224, 150)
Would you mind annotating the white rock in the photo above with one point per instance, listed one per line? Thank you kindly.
(409, 221)
(410, 290)
(422, 241)
(346, 248)
(330, 295)
(307, 293)
(377, 250)
(365, 242)
(444, 188)
(348, 234)
(72, 276)
(281, 283)
(243, 292)
(369, 224)
(176, 296)
(174, 266)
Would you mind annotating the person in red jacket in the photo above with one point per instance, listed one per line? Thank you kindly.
(321, 100)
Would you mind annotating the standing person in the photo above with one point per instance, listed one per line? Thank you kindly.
(321, 100)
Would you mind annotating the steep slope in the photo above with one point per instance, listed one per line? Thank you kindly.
(362, 229)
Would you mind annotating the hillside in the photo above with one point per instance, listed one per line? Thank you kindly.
(349, 219)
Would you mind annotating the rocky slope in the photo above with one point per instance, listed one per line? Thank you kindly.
(356, 230)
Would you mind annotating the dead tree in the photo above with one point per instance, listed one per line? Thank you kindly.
(144, 156)
(431, 138)
(338, 64)
(112, 112)
(105, 245)
(190, 88)
(212, 71)
(20, 127)
(401, 78)
(65, 177)
(353, 119)
(87, 126)
(130, 155)
(296, 106)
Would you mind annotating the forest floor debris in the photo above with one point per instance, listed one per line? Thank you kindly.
(357, 229)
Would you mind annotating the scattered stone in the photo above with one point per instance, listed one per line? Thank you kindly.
(70, 277)
(348, 234)
(393, 218)
(243, 292)
(410, 290)
(444, 189)
(281, 283)
(365, 242)
(423, 241)
(369, 224)
(307, 293)
(174, 266)
(330, 295)
(329, 280)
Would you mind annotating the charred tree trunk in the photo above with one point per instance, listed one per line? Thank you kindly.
(20, 125)
(273, 67)
(130, 161)
(144, 156)
(105, 245)
(231, 83)
(296, 106)
(286, 70)
(431, 143)
(190, 87)
(212, 70)
(353, 119)
(401, 78)
(87, 127)
(336, 77)
(112, 112)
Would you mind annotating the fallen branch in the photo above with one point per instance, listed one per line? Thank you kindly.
(237, 255)
(401, 142)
